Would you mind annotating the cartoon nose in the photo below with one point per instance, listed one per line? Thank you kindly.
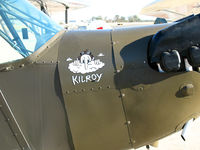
(85, 63)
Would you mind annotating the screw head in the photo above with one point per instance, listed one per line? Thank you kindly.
(123, 95)
(67, 92)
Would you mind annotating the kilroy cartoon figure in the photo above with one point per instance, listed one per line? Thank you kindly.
(84, 64)
(85, 58)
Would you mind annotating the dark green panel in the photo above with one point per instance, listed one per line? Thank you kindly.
(152, 100)
(97, 121)
(32, 89)
(94, 109)
(7, 139)
(12, 123)
(155, 110)
(36, 101)
(125, 36)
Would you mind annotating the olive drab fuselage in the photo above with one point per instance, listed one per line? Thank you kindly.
(87, 90)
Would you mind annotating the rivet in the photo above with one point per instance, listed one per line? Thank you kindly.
(67, 92)
(118, 71)
(43, 62)
(83, 90)
(123, 95)
(92, 89)
(22, 65)
(16, 134)
(128, 122)
(121, 66)
(100, 88)
(140, 89)
(75, 91)
(7, 68)
(108, 86)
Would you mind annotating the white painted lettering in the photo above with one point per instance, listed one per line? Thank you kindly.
(74, 80)
(87, 78)
(79, 79)
(82, 80)
(94, 77)
(99, 77)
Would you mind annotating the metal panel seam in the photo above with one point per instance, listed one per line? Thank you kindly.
(120, 92)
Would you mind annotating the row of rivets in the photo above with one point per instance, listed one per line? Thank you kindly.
(47, 62)
(83, 90)
(23, 65)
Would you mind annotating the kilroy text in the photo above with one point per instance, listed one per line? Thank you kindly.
(87, 78)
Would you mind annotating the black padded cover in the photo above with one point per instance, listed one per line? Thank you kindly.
(180, 36)
(170, 61)
(194, 56)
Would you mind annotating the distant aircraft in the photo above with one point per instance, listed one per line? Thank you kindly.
(112, 89)
(172, 10)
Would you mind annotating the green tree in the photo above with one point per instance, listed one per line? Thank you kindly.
(97, 18)
(134, 18)
(116, 18)
(122, 19)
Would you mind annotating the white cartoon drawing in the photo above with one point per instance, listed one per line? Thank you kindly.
(100, 55)
(85, 63)
(69, 59)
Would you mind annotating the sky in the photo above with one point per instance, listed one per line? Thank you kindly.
(109, 8)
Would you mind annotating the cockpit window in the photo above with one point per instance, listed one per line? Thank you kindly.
(24, 27)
